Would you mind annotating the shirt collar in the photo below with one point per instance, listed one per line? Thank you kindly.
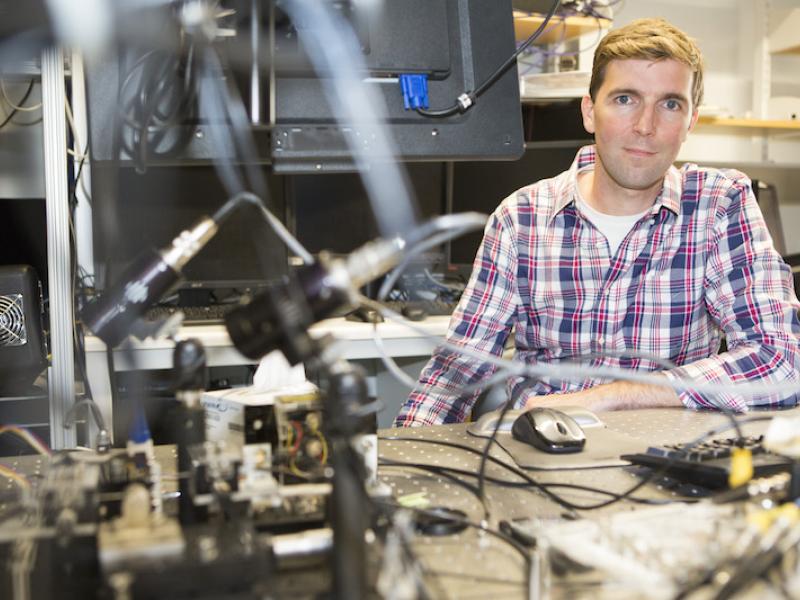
(669, 197)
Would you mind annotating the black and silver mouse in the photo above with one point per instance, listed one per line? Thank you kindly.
(549, 430)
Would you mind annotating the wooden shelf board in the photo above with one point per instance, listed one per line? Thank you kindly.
(785, 39)
(788, 50)
(557, 30)
(748, 123)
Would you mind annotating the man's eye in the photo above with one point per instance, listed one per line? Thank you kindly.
(673, 105)
(623, 99)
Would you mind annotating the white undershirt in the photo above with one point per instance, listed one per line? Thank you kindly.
(613, 227)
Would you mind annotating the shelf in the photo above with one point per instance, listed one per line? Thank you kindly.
(748, 123)
(558, 30)
(795, 49)
(786, 39)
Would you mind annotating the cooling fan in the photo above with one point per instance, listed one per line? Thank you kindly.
(12, 321)
(23, 353)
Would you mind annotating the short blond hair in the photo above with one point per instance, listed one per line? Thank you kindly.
(648, 39)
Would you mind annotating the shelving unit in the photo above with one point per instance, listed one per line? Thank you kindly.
(768, 124)
(560, 30)
(786, 37)
(579, 35)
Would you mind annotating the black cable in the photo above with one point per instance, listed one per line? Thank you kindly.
(511, 468)
(485, 455)
(469, 98)
(441, 470)
(76, 294)
(77, 331)
(241, 130)
(523, 551)
(14, 110)
(446, 472)
(164, 96)
(655, 474)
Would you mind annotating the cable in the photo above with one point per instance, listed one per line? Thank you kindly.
(332, 47)
(17, 478)
(748, 568)
(219, 104)
(439, 470)
(456, 289)
(511, 468)
(467, 99)
(228, 127)
(501, 375)
(77, 330)
(594, 43)
(286, 237)
(536, 51)
(570, 371)
(69, 418)
(487, 447)
(28, 437)
(655, 474)
(10, 115)
(18, 106)
(164, 96)
(522, 550)
(389, 362)
(432, 233)
(448, 473)
(443, 223)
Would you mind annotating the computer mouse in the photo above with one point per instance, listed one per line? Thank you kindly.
(365, 315)
(414, 313)
(549, 430)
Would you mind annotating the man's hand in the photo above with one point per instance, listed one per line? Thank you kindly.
(619, 395)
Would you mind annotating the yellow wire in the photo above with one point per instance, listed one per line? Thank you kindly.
(26, 436)
(295, 470)
(324, 458)
(289, 436)
(14, 476)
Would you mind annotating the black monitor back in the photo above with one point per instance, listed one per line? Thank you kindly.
(457, 43)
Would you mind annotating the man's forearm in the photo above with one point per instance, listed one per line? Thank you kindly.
(618, 395)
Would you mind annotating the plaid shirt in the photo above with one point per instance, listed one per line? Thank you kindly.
(699, 264)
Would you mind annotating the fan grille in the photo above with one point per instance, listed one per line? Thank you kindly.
(12, 321)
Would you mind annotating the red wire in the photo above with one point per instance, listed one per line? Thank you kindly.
(299, 433)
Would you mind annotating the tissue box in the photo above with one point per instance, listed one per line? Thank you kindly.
(248, 415)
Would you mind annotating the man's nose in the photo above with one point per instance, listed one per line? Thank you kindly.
(645, 123)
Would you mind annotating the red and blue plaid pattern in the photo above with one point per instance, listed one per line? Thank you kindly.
(699, 264)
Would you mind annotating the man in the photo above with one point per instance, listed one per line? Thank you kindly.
(625, 261)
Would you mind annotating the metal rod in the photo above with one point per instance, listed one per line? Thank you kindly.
(61, 384)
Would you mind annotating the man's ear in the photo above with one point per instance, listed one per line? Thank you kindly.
(693, 121)
(587, 110)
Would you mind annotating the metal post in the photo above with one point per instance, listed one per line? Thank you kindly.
(62, 370)
(762, 69)
(256, 93)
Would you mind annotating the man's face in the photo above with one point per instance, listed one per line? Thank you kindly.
(640, 117)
